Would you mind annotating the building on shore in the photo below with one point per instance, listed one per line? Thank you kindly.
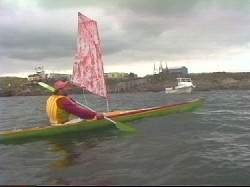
(119, 75)
(58, 76)
(115, 75)
(180, 71)
(35, 77)
(38, 76)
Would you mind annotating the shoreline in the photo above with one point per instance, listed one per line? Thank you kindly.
(15, 86)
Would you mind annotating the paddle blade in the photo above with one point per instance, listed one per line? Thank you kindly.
(121, 126)
(125, 127)
(50, 88)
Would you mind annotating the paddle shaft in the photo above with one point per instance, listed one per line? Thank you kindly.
(95, 111)
(118, 125)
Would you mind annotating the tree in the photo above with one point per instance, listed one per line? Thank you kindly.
(132, 75)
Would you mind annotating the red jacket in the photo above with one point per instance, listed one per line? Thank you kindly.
(72, 107)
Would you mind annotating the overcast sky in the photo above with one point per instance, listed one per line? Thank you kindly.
(204, 36)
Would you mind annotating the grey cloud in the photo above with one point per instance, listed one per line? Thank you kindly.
(32, 44)
(21, 66)
(182, 7)
(164, 28)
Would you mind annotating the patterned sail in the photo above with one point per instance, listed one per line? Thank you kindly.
(88, 70)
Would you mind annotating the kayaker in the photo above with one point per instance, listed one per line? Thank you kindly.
(60, 106)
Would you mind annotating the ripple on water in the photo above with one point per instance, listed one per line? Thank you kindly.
(209, 146)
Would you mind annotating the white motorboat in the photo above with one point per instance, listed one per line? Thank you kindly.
(185, 85)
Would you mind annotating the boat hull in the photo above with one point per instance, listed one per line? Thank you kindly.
(31, 134)
(179, 90)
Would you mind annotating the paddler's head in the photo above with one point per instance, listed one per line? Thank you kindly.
(62, 87)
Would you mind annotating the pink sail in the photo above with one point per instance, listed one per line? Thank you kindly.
(88, 70)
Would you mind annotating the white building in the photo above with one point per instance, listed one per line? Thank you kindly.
(58, 76)
(178, 70)
(35, 77)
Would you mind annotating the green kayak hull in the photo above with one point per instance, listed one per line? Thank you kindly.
(39, 133)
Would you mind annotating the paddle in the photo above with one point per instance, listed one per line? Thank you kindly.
(121, 126)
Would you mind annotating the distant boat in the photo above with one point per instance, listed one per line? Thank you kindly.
(185, 85)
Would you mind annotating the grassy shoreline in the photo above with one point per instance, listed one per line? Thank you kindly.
(16, 86)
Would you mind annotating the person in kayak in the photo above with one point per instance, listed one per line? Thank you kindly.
(60, 106)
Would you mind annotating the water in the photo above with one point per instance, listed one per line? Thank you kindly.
(209, 146)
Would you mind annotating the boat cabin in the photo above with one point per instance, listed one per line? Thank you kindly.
(184, 79)
(184, 82)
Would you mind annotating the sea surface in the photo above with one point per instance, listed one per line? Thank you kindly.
(209, 146)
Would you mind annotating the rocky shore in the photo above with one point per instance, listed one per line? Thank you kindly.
(203, 82)
(15, 86)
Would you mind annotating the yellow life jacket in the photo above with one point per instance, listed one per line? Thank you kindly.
(56, 114)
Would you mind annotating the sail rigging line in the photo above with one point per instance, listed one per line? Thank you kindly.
(84, 97)
(108, 96)
(107, 104)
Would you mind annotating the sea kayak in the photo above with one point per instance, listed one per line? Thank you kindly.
(28, 134)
